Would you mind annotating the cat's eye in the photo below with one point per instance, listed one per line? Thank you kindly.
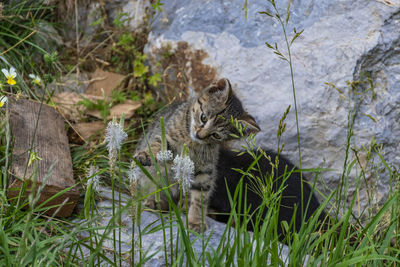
(203, 118)
(216, 136)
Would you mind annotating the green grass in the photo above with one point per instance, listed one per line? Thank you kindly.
(28, 237)
(22, 37)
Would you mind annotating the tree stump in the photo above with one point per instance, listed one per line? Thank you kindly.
(53, 171)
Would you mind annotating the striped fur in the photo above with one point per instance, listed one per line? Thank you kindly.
(203, 123)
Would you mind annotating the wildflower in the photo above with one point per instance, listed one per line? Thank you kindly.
(94, 179)
(10, 75)
(3, 100)
(133, 174)
(35, 79)
(184, 171)
(165, 155)
(115, 135)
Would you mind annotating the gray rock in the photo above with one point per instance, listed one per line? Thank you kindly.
(152, 240)
(135, 12)
(132, 15)
(71, 83)
(341, 40)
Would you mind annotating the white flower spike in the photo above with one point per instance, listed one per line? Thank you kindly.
(3, 100)
(115, 135)
(164, 155)
(10, 74)
(94, 179)
(133, 174)
(35, 79)
(184, 171)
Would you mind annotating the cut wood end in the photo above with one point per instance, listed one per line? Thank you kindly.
(60, 206)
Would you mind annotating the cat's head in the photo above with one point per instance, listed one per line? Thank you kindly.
(211, 113)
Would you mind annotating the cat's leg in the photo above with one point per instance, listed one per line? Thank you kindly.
(153, 204)
(198, 210)
(199, 194)
(144, 157)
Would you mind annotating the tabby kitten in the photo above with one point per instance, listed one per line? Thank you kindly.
(203, 123)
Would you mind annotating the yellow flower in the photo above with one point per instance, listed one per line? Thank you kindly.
(35, 79)
(3, 100)
(10, 75)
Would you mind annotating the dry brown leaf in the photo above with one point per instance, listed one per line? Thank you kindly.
(128, 108)
(88, 129)
(67, 103)
(105, 80)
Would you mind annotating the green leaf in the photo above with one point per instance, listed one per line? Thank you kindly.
(118, 96)
(140, 69)
(157, 6)
(87, 201)
(155, 79)
(266, 13)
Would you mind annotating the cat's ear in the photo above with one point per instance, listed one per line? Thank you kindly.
(221, 90)
(249, 123)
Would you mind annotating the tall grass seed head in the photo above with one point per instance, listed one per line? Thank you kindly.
(133, 174)
(115, 135)
(3, 100)
(10, 74)
(94, 179)
(35, 79)
(165, 155)
(184, 171)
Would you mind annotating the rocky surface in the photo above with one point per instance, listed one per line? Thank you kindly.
(342, 41)
(152, 235)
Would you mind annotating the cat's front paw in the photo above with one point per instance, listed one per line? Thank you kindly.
(150, 203)
(143, 157)
(197, 226)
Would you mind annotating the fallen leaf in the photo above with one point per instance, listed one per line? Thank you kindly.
(88, 129)
(128, 108)
(67, 104)
(105, 80)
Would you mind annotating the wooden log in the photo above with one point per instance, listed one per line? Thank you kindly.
(53, 170)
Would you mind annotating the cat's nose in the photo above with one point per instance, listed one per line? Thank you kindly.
(198, 136)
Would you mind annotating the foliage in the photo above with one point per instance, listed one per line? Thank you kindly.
(22, 38)
(30, 238)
